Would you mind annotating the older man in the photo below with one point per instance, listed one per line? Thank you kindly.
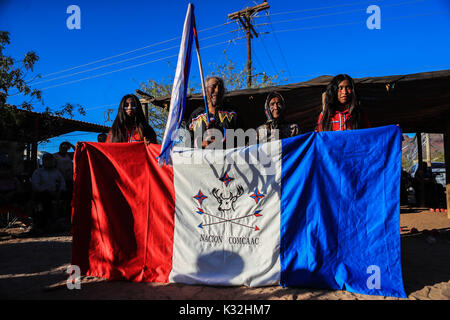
(205, 134)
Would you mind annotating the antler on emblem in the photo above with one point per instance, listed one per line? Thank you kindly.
(227, 199)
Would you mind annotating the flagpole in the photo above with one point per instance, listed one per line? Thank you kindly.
(201, 70)
(179, 90)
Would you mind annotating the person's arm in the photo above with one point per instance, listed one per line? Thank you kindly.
(319, 122)
(196, 131)
(109, 137)
(36, 180)
(294, 130)
(62, 184)
(150, 136)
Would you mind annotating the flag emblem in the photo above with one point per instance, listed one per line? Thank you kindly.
(226, 212)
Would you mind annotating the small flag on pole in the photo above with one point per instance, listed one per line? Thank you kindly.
(179, 89)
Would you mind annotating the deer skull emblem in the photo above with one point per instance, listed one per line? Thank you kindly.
(226, 198)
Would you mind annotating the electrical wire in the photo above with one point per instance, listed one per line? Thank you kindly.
(359, 22)
(128, 52)
(125, 68)
(337, 13)
(268, 55)
(278, 44)
(274, 31)
(328, 7)
(129, 59)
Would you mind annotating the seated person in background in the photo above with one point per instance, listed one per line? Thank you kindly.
(48, 184)
(14, 197)
(102, 137)
(64, 161)
(341, 107)
(275, 109)
(221, 118)
(64, 164)
(130, 124)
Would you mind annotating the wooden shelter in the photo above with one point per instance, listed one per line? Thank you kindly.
(33, 127)
(417, 102)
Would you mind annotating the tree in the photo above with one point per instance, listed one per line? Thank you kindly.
(13, 73)
(12, 78)
(235, 77)
(157, 115)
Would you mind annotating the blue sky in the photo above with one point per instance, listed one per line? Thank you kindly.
(138, 40)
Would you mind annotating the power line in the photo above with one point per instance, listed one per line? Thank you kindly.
(329, 7)
(278, 44)
(268, 55)
(125, 68)
(128, 52)
(359, 22)
(129, 59)
(335, 13)
(104, 66)
(228, 41)
(206, 29)
(101, 107)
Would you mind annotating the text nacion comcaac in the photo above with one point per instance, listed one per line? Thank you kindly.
(219, 239)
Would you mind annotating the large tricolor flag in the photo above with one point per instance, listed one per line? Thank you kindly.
(320, 210)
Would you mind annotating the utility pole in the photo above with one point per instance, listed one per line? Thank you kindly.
(244, 17)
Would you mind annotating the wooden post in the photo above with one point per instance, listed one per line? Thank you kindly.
(249, 55)
(447, 163)
(34, 156)
(145, 110)
(428, 149)
(420, 168)
(34, 146)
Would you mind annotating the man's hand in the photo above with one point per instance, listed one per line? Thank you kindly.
(207, 142)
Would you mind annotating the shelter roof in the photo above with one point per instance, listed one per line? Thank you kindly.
(35, 126)
(418, 102)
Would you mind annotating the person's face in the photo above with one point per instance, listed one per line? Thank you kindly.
(129, 108)
(47, 163)
(275, 105)
(344, 92)
(102, 138)
(63, 148)
(213, 91)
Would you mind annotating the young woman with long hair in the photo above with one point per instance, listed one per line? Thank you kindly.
(341, 107)
(130, 124)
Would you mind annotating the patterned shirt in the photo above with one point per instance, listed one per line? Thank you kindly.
(286, 130)
(224, 118)
(132, 136)
(339, 121)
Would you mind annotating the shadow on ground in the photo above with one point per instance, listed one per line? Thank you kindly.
(36, 269)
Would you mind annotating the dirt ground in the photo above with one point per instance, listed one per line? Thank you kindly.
(35, 268)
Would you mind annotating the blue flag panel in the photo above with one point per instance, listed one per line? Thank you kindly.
(340, 211)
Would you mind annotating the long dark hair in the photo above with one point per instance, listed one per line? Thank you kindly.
(138, 121)
(331, 104)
